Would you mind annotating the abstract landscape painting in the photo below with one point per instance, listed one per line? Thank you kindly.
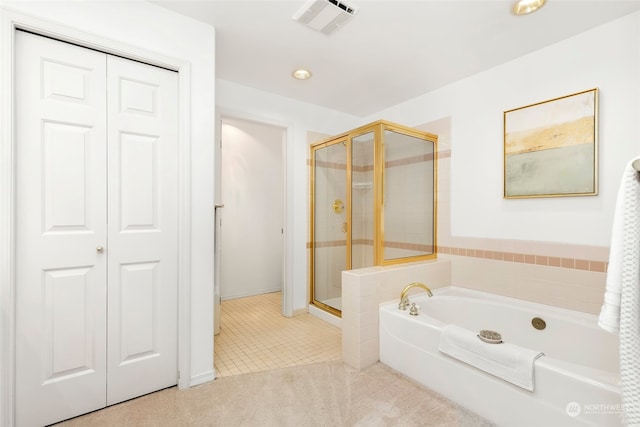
(550, 148)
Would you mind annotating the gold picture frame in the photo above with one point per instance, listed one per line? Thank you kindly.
(551, 147)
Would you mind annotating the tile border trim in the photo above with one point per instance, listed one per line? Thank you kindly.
(571, 263)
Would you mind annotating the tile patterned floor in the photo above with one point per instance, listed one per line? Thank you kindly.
(254, 337)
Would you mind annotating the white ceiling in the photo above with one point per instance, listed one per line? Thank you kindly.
(390, 52)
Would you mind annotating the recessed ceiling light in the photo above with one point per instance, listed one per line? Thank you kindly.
(301, 74)
(524, 7)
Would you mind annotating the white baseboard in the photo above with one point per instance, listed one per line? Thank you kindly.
(251, 294)
(202, 378)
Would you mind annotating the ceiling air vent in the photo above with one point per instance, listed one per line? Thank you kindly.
(325, 16)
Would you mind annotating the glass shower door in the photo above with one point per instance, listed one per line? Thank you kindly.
(330, 228)
(409, 197)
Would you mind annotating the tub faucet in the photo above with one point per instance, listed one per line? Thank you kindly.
(404, 300)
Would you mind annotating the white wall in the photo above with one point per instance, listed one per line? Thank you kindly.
(607, 57)
(151, 28)
(299, 117)
(253, 214)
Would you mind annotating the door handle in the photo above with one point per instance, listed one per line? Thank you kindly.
(99, 249)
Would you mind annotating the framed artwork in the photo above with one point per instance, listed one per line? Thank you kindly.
(551, 148)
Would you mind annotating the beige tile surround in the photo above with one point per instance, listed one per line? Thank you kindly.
(362, 292)
(572, 289)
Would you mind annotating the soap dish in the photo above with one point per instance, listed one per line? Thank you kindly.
(490, 337)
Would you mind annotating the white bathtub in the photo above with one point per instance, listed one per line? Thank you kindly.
(576, 382)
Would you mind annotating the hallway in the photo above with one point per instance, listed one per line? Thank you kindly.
(254, 337)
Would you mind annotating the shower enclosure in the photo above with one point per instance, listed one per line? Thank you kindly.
(373, 202)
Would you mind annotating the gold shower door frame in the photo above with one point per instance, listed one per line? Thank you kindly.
(377, 128)
(312, 226)
(379, 173)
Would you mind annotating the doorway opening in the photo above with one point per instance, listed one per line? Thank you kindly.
(251, 225)
(252, 332)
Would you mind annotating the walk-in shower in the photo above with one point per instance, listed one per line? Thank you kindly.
(373, 202)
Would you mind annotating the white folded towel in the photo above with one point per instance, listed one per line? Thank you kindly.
(507, 361)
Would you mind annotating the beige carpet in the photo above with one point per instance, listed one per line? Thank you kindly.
(323, 394)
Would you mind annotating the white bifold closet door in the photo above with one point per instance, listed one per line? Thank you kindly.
(96, 229)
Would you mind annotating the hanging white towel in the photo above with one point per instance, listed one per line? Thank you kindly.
(609, 319)
(510, 362)
(621, 309)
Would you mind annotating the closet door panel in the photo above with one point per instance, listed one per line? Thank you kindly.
(138, 182)
(60, 223)
(143, 229)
